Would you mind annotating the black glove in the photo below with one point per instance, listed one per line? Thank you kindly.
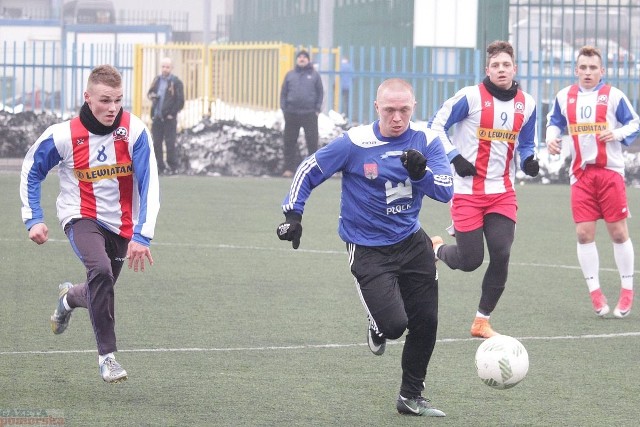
(463, 166)
(291, 229)
(415, 163)
(531, 166)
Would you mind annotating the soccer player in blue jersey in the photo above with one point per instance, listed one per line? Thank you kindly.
(387, 168)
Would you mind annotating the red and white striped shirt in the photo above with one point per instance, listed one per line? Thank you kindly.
(491, 134)
(111, 178)
(583, 115)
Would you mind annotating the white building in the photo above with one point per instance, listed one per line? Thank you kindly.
(199, 18)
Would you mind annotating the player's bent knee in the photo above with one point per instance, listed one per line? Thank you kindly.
(102, 274)
(394, 330)
(468, 265)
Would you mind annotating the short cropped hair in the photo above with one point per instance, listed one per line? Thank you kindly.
(498, 47)
(589, 51)
(394, 84)
(107, 75)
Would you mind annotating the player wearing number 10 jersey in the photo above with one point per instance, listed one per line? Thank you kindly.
(598, 120)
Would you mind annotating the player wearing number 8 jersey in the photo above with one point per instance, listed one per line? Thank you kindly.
(598, 120)
(107, 205)
(494, 127)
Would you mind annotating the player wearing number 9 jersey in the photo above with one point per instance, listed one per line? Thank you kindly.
(494, 131)
(598, 120)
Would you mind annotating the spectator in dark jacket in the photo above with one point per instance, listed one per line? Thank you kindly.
(301, 102)
(167, 96)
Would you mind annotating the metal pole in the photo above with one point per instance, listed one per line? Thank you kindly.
(325, 43)
(206, 24)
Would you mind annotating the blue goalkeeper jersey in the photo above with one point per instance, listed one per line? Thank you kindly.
(380, 204)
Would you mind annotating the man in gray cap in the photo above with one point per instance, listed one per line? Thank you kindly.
(301, 102)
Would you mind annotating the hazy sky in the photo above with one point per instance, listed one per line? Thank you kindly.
(195, 8)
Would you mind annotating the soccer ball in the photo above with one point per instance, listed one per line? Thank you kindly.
(502, 362)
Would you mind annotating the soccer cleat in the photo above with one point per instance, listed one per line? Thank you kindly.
(436, 241)
(111, 371)
(61, 316)
(599, 302)
(377, 344)
(418, 406)
(624, 303)
(480, 328)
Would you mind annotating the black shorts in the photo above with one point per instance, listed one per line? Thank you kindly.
(397, 282)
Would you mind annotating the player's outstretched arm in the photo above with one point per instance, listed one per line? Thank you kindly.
(136, 253)
(39, 233)
(291, 229)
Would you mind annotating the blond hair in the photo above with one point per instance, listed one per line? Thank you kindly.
(107, 75)
(395, 84)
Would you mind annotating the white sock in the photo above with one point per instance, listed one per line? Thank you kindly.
(65, 303)
(624, 256)
(436, 248)
(590, 264)
(102, 357)
(484, 316)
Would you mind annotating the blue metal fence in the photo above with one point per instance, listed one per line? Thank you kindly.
(435, 73)
(50, 75)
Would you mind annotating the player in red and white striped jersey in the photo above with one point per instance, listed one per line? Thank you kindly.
(494, 132)
(599, 121)
(107, 205)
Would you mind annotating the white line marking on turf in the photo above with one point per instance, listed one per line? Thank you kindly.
(288, 248)
(309, 346)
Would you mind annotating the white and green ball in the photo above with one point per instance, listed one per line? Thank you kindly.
(502, 362)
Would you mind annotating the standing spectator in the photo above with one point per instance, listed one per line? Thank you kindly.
(301, 102)
(167, 96)
(491, 121)
(387, 167)
(346, 81)
(599, 121)
(107, 206)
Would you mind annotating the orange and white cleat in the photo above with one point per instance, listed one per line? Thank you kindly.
(480, 328)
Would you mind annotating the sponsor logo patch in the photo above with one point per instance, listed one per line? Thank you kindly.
(103, 172)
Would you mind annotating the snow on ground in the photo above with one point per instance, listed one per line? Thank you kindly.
(245, 142)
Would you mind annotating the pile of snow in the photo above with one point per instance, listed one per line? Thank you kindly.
(249, 143)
